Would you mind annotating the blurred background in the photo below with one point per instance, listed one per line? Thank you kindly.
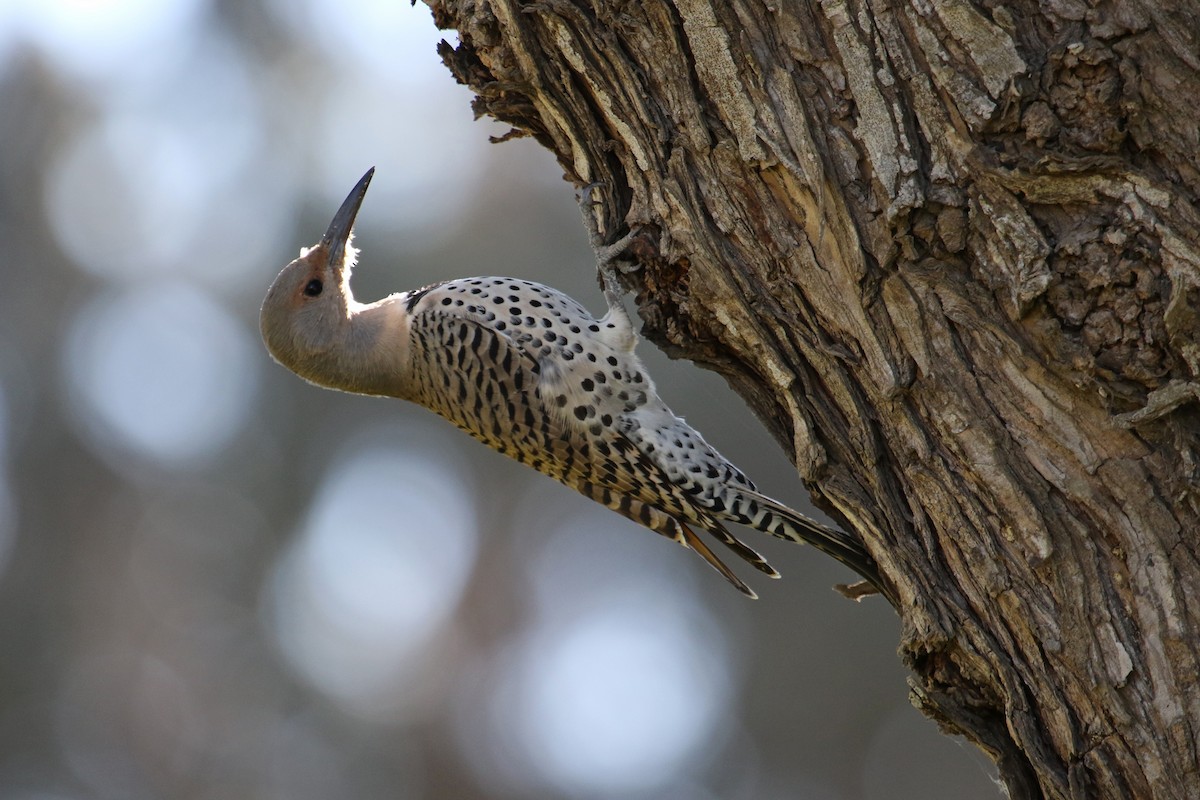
(217, 581)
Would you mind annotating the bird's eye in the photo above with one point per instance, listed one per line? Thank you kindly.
(313, 287)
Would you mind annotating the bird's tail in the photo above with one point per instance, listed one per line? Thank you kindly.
(768, 515)
(691, 540)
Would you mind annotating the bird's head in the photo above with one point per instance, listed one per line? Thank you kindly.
(307, 308)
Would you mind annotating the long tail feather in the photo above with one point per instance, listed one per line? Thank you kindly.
(744, 551)
(770, 516)
(696, 543)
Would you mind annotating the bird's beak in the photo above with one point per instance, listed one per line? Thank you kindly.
(343, 221)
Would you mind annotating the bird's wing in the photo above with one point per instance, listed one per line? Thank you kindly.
(491, 384)
(601, 403)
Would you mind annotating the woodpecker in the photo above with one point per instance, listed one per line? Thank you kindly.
(530, 373)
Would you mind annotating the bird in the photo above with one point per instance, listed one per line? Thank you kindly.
(529, 372)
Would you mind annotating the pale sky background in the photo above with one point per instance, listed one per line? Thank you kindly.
(217, 581)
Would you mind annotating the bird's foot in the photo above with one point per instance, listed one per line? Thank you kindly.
(606, 263)
(607, 255)
(586, 202)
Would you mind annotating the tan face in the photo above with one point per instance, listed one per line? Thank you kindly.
(306, 309)
(302, 309)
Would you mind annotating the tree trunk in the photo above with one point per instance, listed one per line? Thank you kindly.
(950, 254)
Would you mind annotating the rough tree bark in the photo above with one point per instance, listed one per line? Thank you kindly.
(950, 253)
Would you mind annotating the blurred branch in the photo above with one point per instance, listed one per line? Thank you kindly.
(938, 251)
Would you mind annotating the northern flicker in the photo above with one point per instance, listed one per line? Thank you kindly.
(529, 372)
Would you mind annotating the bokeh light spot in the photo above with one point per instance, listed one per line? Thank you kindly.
(124, 197)
(377, 568)
(622, 698)
(393, 39)
(622, 681)
(160, 370)
(96, 39)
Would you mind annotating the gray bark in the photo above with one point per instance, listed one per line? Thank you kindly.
(949, 253)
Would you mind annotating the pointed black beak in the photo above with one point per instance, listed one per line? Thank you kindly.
(343, 221)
